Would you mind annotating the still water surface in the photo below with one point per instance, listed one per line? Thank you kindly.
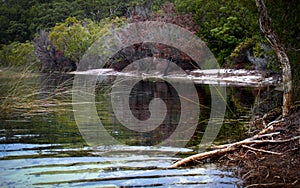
(43, 147)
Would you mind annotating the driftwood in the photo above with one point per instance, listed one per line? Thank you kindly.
(226, 148)
(202, 156)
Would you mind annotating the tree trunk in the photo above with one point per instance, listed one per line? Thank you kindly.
(270, 35)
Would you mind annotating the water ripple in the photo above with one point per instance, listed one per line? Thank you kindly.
(105, 167)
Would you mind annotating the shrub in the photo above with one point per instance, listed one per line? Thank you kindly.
(18, 54)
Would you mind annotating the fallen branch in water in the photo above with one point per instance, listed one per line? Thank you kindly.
(269, 158)
(202, 156)
(223, 149)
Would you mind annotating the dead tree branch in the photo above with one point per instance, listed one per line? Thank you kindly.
(261, 150)
(202, 156)
(223, 149)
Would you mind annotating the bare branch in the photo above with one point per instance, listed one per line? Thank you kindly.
(261, 150)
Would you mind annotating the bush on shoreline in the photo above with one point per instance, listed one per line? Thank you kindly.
(19, 55)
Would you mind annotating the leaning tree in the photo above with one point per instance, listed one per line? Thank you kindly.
(271, 36)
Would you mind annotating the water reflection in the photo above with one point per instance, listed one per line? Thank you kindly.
(51, 84)
(48, 149)
(106, 170)
(140, 98)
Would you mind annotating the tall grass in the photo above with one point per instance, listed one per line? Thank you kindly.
(15, 92)
(22, 93)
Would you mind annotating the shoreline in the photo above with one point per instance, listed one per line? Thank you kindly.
(222, 77)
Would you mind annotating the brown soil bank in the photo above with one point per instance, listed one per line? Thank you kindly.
(270, 164)
(270, 158)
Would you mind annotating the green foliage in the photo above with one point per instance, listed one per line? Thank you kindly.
(74, 37)
(228, 25)
(158, 3)
(225, 24)
(244, 45)
(22, 19)
(187, 6)
(260, 52)
(18, 54)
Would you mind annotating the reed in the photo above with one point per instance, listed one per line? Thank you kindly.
(21, 94)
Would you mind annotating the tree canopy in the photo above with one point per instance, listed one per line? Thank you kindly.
(229, 27)
(22, 19)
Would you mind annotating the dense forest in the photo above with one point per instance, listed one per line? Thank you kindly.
(21, 20)
(46, 33)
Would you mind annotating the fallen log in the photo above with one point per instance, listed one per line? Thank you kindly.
(202, 156)
(223, 149)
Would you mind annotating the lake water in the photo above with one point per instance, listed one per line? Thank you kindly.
(42, 146)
